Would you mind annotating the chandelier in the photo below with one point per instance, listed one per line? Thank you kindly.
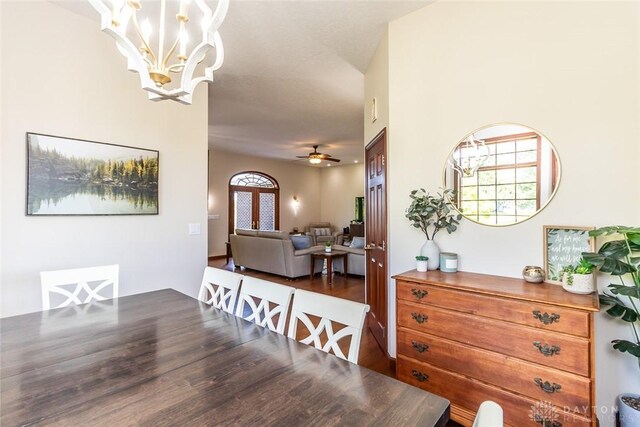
(469, 156)
(169, 65)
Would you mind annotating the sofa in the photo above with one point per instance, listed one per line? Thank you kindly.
(271, 252)
(355, 260)
(323, 232)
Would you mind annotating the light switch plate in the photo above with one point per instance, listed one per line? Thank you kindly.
(194, 228)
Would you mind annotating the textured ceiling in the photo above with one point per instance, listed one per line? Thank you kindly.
(293, 75)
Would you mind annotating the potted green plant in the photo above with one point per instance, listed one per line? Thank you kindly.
(432, 214)
(327, 247)
(580, 279)
(421, 263)
(621, 258)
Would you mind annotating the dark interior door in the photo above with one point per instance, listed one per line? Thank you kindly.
(376, 238)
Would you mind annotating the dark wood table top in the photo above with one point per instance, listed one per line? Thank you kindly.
(162, 358)
(325, 254)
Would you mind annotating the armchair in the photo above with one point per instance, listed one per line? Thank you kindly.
(323, 232)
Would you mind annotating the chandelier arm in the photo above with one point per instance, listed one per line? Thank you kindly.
(144, 42)
(171, 51)
(175, 68)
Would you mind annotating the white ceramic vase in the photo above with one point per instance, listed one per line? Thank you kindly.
(421, 265)
(629, 417)
(430, 249)
(327, 249)
(581, 283)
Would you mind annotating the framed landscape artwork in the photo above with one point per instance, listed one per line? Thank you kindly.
(68, 176)
(563, 246)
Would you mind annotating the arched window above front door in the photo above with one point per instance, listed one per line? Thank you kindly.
(254, 202)
(253, 179)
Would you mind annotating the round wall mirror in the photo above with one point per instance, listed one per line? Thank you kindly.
(502, 174)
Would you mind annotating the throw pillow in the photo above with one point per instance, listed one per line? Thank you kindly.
(322, 231)
(357, 242)
(301, 242)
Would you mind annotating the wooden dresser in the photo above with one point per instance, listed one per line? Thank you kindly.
(474, 337)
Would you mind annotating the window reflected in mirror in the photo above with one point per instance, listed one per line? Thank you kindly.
(502, 174)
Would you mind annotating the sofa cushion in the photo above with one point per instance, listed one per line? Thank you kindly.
(321, 231)
(301, 241)
(357, 242)
(246, 232)
(274, 235)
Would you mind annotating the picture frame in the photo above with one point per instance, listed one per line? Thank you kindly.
(563, 246)
(70, 176)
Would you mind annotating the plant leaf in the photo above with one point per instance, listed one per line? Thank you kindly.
(625, 346)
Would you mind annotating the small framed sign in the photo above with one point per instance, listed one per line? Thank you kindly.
(563, 246)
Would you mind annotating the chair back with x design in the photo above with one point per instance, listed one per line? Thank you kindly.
(220, 288)
(79, 285)
(329, 309)
(274, 303)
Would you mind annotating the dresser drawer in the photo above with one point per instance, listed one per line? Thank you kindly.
(469, 394)
(538, 315)
(506, 372)
(551, 349)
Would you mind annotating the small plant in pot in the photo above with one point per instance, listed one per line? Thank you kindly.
(580, 279)
(327, 247)
(621, 258)
(432, 214)
(421, 263)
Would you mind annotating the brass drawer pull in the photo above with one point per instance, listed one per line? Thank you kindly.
(420, 347)
(420, 318)
(419, 293)
(546, 349)
(419, 375)
(546, 318)
(546, 422)
(546, 386)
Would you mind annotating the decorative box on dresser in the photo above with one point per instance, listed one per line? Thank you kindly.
(474, 337)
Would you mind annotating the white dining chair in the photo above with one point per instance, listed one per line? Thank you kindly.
(79, 285)
(329, 309)
(489, 415)
(274, 300)
(220, 288)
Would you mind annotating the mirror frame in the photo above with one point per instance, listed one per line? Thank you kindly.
(553, 194)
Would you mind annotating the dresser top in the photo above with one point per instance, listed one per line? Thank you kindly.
(503, 286)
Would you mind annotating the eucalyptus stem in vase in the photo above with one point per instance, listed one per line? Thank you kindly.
(432, 214)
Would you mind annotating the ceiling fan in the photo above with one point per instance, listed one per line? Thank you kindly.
(315, 157)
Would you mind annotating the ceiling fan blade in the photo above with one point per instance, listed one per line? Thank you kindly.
(302, 157)
(331, 159)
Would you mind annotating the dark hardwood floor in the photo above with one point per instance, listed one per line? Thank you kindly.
(351, 288)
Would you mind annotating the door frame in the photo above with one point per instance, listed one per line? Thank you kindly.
(255, 191)
(382, 135)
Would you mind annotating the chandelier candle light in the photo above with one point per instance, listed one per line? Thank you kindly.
(155, 67)
(469, 158)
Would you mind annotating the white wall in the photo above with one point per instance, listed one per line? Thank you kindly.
(295, 179)
(340, 186)
(68, 79)
(568, 69)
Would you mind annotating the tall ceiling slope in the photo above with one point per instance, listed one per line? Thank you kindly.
(293, 75)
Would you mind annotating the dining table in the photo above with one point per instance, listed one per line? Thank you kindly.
(163, 358)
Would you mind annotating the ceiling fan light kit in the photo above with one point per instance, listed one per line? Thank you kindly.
(316, 158)
(125, 21)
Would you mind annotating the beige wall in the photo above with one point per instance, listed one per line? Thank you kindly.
(68, 79)
(568, 69)
(376, 85)
(339, 188)
(295, 179)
